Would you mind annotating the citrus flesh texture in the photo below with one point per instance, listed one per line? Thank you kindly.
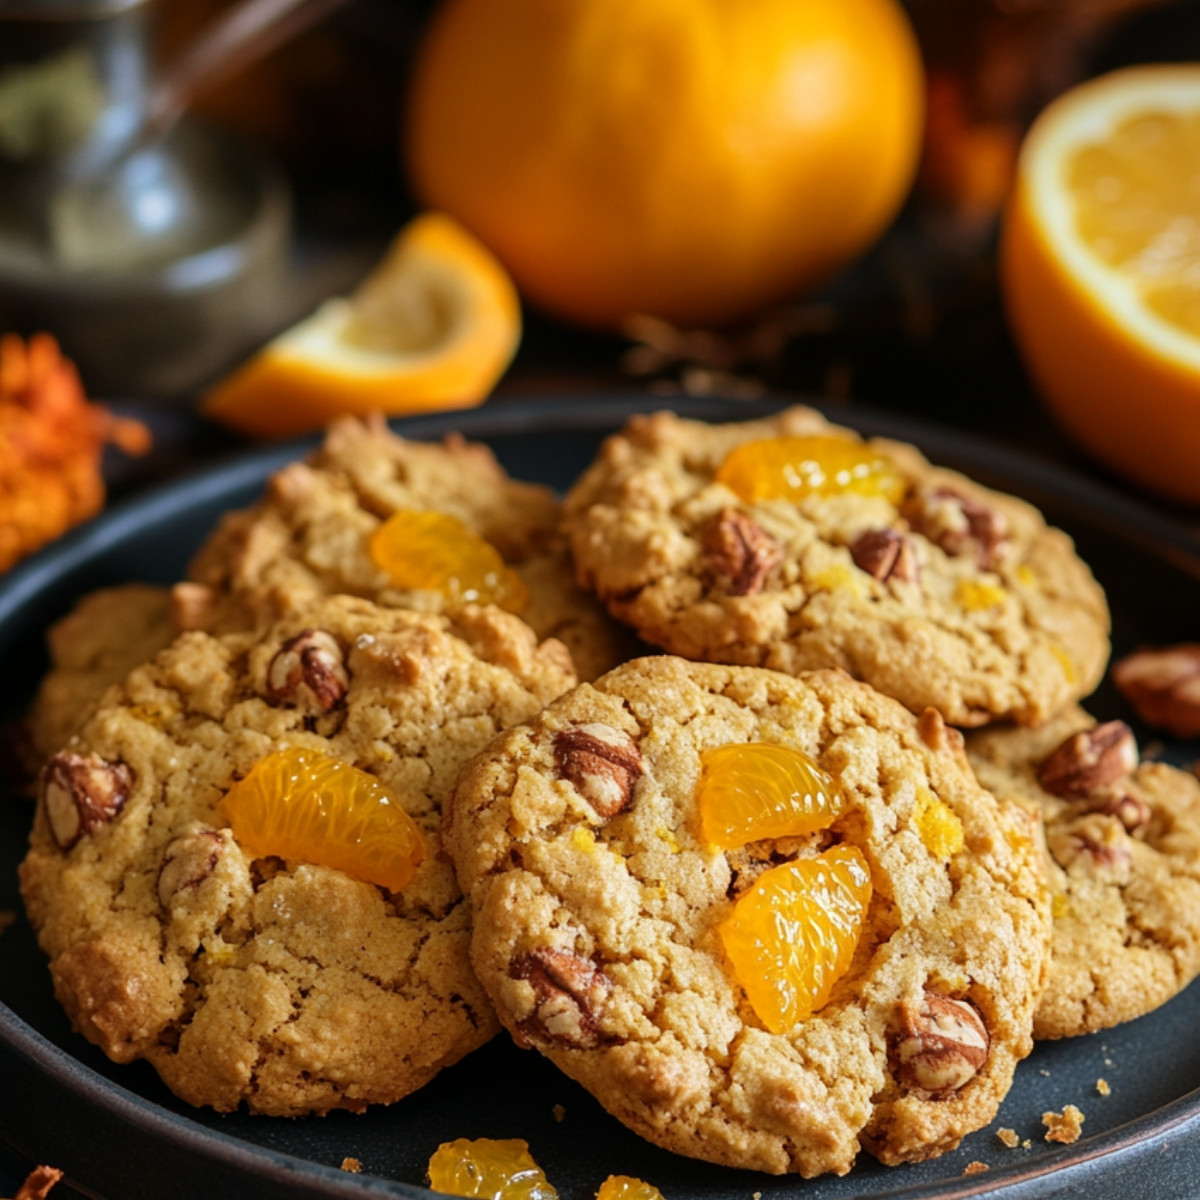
(756, 791)
(694, 160)
(626, 1187)
(427, 550)
(1100, 269)
(790, 468)
(302, 804)
(489, 1168)
(433, 326)
(791, 936)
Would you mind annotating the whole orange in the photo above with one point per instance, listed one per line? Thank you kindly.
(695, 160)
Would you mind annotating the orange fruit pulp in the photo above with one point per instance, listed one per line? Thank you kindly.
(1100, 270)
(792, 936)
(301, 804)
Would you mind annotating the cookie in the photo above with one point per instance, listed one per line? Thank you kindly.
(599, 909)
(935, 590)
(249, 970)
(1123, 858)
(98, 643)
(310, 536)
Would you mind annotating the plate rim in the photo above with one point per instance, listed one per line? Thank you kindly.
(1143, 1138)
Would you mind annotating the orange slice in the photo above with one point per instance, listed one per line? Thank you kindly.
(303, 804)
(792, 936)
(1100, 267)
(753, 791)
(433, 326)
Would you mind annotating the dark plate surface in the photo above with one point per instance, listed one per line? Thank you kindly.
(120, 1134)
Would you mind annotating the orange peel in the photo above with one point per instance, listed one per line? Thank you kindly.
(433, 326)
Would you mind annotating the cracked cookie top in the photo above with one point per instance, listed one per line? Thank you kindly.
(792, 544)
(608, 925)
(311, 534)
(1122, 844)
(248, 970)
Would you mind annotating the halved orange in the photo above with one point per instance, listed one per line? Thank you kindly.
(1100, 269)
(434, 326)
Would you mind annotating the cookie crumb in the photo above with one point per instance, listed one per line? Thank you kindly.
(1044, 1072)
(559, 1113)
(6, 919)
(38, 1184)
(1009, 1138)
(1064, 1126)
(1108, 1062)
(756, 1196)
(1103, 1088)
(352, 1165)
(975, 1168)
(1027, 1144)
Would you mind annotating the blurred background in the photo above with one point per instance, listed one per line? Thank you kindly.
(913, 323)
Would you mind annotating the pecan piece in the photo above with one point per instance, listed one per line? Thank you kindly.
(603, 764)
(1096, 845)
(1132, 811)
(738, 553)
(885, 554)
(942, 1045)
(188, 861)
(1090, 760)
(960, 525)
(80, 794)
(569, 993)
(1164, 687)
(308, 671)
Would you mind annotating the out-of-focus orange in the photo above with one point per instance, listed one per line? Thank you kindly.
(433, 326)
(1100, 268)
(694, 161)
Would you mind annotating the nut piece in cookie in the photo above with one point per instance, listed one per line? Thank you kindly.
(766, 920)
(1163, 685)
(794, 544)
(1122, 847)
(236, 869)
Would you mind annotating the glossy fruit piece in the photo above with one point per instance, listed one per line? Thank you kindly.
(691, 161)
(939, 826)
(625, 1187)
(433, 326)
(434, 551)
(1100, 270)
(489, 1168)
(302, 804)
(791, 468)
(792, 936)
(753, 791)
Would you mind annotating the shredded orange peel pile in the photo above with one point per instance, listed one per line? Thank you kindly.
(51, 443)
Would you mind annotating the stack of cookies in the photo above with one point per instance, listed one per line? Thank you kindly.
(819, 846)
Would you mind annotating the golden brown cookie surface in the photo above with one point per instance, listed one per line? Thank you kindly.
(930, 587)
(268, 977)
(598, 907)
(1123, 857)
(310, 535)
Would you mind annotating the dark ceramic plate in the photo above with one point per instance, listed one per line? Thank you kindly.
(119, 1134)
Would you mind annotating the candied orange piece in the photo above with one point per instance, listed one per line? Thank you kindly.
(625, 1187)
(490, 1168)
(303, 804)
(791, 937)
(790, 468)
(434, 551)
(751, 791)
(939, 827)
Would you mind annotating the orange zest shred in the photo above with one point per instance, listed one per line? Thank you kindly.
(51, 442)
